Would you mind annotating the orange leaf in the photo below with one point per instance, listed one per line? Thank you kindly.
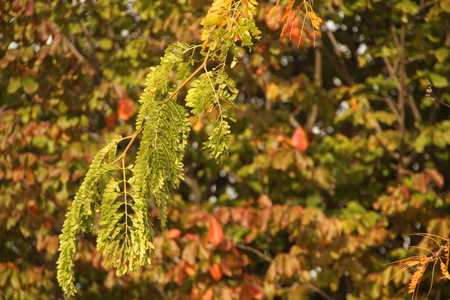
(355, 105)
(208, 295)
(444, 270)
(125, 109)
(215, 232)
(189, 269)
(173, 233)
(288, 10)
(215, 272)
(300, 139)
(275, 7)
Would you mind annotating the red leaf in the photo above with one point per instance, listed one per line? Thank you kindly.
(29, 8)
(215, 272)
(257, 294)
(110, 120)
(405, 192)
(173, 233)
(300, 139)
(215, 232)
(125, 109)
(191, 236)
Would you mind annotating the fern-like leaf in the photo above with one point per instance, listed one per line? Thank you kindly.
(159, 166)
(210, 93)
(80, 217)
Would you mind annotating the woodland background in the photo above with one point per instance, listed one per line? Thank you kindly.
(319, 216)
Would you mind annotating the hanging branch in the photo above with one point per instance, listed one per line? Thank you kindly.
(121, 194)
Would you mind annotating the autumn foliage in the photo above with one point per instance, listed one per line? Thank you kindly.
(334, 174)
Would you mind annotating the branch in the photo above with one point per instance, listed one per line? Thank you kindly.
(136, 133)
(312, 117)
(434, 98)
(254, 251)
(431, 96)
(346, 75)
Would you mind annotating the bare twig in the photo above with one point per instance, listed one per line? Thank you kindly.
(254, 251)
(346, 75)
(431, 96)
(312, 117)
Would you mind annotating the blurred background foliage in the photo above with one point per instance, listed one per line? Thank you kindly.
(314, 215)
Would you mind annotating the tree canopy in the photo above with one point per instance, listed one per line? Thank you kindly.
(224, 149)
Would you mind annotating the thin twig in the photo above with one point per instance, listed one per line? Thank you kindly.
(133, 137)
(199, 69)
(136, 133)
(434, 98)
(254, 251)
(268, 259)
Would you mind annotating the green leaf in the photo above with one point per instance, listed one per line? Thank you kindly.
(106, 44)
(445, 5)
(442, 54)
(14, 84)
(30, 86)
(408, 7)
(438, 81)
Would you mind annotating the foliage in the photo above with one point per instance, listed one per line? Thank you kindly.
(271, 220)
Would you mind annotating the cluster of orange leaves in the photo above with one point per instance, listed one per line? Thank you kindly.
(421, 263)
(226, 13)
(291, 20)
(222, 12)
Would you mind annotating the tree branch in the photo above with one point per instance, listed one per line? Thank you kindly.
(136, 133)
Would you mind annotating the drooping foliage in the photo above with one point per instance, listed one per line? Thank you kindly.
(125, 230)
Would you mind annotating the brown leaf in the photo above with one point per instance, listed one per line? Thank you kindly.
(190, 252)
(264, 201)
(222, 215)
(405, 192)
(266, 214)
(17, 174)
(29, 8)
(179, 274)
(421, 182)
(435, 177)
